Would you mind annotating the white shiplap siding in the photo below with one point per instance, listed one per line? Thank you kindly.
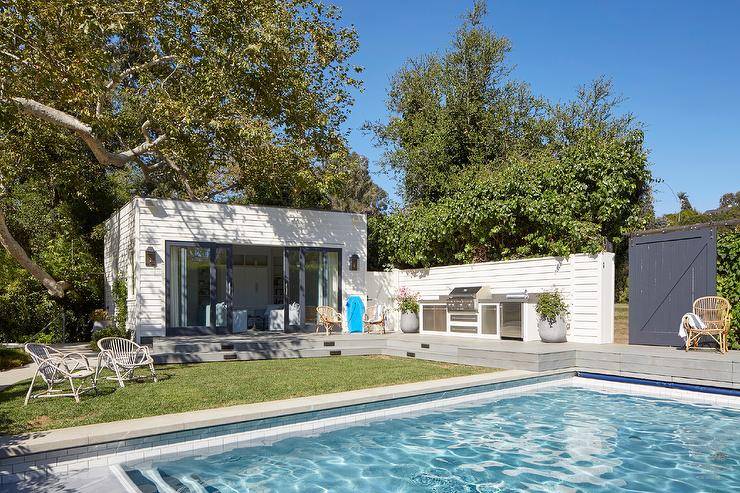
(119, 244)
(586, 281)
(161, 220)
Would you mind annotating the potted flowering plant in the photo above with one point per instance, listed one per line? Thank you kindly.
(408, 303)
(552, 310)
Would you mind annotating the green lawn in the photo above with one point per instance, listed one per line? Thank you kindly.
(621, 323)
(208, 385)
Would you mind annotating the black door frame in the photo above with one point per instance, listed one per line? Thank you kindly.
(212, 283)
(302, 280)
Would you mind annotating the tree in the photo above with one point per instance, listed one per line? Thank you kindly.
(457, 109)
(683, 198)
(185, 98)
(730, 200)
(353, 188)
(491, 172)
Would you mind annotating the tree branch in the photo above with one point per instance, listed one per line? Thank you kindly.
(54, 287)
(181, 174)
(114, 81)
(62, 119)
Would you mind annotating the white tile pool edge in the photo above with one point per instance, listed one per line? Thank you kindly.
(643, 390)
(110, 463)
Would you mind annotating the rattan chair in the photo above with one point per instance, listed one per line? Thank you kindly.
(714, 311)
(373, 321)
(56, 368)
(122, 357)
(327, 317)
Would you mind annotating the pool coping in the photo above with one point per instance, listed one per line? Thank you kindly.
(18, 446)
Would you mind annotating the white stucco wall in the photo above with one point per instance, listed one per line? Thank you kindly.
(586, 281)
(145, 223)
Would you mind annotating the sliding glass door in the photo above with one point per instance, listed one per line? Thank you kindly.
(198, 285)
(313, 279)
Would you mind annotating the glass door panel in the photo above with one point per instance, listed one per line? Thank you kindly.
(332, 279)
(189, 286)
(199, 286)
(220, 287)
(314, 273)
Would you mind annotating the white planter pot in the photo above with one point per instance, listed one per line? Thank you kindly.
(554, 332)
(409, 322)
(97, 325)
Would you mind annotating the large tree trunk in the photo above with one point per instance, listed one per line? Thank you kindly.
(54, 287)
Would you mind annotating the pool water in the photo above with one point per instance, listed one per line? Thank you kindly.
(562, 439)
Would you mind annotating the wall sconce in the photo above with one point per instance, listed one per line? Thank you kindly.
(353, 259)
(151, 257)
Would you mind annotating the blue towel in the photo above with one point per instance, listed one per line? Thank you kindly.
(355, 311)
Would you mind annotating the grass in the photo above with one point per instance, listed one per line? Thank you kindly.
(12, 358)
(209, 385)
(621, 323)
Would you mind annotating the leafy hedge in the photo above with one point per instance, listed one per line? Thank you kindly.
(728, 277)
(590, 193)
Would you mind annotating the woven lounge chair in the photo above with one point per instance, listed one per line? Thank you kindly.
(327, 317)
(374, 319)
(56, 368)
(122, 357)
(714, 311)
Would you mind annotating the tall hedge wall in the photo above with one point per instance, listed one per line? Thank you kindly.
(728, 277)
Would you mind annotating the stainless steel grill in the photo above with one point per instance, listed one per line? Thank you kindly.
(462, 299)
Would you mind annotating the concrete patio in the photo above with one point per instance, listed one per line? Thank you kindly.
(702, 367)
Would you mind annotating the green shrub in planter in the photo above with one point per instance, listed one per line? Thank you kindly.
(550, 305)
(107, 332)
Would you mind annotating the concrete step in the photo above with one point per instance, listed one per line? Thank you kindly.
(252, 345)
(202, 357)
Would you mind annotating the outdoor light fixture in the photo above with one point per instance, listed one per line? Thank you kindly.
(151, 257)
(353, 261)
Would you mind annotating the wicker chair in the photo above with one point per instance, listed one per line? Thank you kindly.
(714, 311)
(327, 317)
(55, 367)
(122, 357)
(372, 321)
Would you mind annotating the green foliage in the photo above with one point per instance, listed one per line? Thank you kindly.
(107, 332)
(119, 292)
(491, 172)
(573, 203)
(728, 209)
(12, 358)
(456, 109)
(728, 277)
(250, 95)
(550, 306)
(351, 187)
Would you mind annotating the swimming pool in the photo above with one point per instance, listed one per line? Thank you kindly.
(558, 439)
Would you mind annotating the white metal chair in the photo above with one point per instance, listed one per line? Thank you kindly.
(55, 367)
(122, 357)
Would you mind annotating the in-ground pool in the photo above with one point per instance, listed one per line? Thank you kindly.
(560, 439)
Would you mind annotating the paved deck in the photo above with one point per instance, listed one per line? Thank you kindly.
(703, 367)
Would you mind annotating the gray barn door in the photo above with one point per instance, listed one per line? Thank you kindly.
(667, 272)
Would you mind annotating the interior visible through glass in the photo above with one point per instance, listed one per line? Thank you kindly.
(190, 289)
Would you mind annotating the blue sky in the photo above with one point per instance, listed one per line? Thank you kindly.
(676, 62)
